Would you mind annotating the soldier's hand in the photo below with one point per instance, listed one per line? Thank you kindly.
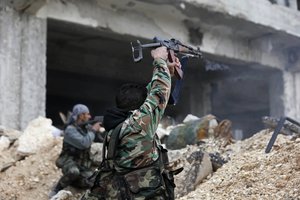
(160, 52)
(96, 127)
(173, 65)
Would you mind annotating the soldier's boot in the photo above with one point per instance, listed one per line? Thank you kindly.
(55, 189)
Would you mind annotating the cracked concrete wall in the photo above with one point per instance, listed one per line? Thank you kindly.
(276, 95)
(137, 19)
(226, 26)
(246, 32)
(291, 95)
(23, 68)
(288, 3)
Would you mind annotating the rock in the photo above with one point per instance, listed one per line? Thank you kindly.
(191, 132)
(56, 132)
(196, 167)
(4, 143)
(189, 118)
(10, 133)
(37, 136)
(6, 166)
(162, 132)
(62, 195)
(217, 161)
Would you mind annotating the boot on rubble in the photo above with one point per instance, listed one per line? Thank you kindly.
(55, 189)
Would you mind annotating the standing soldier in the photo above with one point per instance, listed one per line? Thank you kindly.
(135, 166)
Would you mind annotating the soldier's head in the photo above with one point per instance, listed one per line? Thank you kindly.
(131, 96)
(81, 113)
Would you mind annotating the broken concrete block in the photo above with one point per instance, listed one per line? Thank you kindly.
(37, 136)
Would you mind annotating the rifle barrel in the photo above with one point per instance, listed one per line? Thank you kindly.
(156, 44)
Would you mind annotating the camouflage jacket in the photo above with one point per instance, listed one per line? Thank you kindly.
(135, 174)
(137, 146)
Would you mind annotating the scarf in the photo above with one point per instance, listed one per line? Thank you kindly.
(113, 117)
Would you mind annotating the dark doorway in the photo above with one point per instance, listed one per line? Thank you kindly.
(243, 96)
(86, 65)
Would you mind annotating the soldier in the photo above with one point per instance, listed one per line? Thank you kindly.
(136, 164)
(74, 159)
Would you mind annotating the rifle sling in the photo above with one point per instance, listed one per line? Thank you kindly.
(113, 142)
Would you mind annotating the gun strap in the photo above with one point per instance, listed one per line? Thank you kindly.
(113, 142)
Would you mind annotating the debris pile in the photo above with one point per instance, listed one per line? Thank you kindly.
(253, 174)
(246, 173)
(195, 130)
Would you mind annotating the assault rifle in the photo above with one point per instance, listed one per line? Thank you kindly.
(173, 46)
(95, 120)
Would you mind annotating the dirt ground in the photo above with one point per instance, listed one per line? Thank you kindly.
(30, 178)
(250, 174)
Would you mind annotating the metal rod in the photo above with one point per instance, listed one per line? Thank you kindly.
(293, 121)
(275, 134)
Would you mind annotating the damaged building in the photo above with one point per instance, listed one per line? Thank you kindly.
(55, 53)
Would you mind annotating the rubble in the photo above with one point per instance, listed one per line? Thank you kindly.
(248, 173)
(62, 195)
(4, 143)
(253, 174)
(10, 133)
(194, 130)
(196, 166)
(36, 136)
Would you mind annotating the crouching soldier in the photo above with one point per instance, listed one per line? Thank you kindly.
(74, 159)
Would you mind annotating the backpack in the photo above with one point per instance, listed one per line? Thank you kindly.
(150, 182)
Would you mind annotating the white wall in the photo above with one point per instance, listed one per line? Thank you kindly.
(22, 68)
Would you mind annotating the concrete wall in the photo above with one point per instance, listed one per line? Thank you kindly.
(241, 30)
(291, 94)
(22, 68)
(288, 3)
(252, 32)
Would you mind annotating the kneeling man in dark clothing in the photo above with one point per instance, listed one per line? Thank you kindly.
(74, 160)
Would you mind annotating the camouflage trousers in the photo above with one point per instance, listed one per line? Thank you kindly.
(76, 176)
(141, 184)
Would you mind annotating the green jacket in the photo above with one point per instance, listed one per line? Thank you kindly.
(137, 146)
(137, 172)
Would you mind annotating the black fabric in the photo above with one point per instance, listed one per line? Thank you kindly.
(113, 117)
(113, 142)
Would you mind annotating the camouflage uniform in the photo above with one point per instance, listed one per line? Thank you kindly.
(137, 147)
(74, 159)
(138, 169)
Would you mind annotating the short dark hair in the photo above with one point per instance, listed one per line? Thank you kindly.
(131, 96)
